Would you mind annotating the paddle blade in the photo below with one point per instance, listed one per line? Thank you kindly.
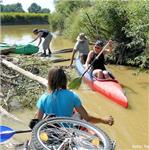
(75, 84)
(5, 133)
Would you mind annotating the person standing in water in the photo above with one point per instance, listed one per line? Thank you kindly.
(43, 33)
(81, 46)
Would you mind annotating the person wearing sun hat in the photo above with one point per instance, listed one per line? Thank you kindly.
(98, 67)
(81, 46)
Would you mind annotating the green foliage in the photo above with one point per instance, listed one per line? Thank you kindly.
(45, 10)
(138, 26)
(23, 18)
(34, 8)
(67, 7)
(56, 21)
(12, 8)
(128, 24)
(64, 9)
(142, 61)
(71, 27)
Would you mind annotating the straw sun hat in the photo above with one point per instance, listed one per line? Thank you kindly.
(81, 37)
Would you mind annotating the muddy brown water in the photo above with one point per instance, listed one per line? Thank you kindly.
(131, 127)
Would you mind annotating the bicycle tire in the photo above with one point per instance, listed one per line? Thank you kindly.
(39, 145)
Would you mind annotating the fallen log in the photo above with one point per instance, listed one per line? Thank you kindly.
(66, 50)
(39, 79)
(60, 60)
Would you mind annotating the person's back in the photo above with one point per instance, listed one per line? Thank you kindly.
(44, 32)
(82, 47)
(61, 103)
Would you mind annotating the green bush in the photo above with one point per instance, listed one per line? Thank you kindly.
(23, 18)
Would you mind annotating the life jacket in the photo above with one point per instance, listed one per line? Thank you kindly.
(45, 32)
(99, 63)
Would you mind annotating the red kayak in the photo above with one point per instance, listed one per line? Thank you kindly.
(109, 88)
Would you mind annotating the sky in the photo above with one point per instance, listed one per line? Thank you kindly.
(26, 3)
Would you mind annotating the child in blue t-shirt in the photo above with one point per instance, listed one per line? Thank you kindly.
(61, 102)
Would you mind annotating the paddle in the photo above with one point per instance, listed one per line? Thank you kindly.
(6, 133)
(75, 84)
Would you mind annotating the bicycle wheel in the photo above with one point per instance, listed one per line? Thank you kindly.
(62, 133)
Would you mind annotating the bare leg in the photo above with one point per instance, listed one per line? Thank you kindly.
(49, 50)
(98, 74)
(44, 52)
(106, 74)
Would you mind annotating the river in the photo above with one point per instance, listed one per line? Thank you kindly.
(131, 127)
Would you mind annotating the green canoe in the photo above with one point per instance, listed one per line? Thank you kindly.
(18, 49)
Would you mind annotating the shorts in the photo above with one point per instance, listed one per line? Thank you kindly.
(83, 58)
(47, 41)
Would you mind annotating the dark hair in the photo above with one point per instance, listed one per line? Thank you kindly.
(57, 79)
(99, 43)
(35, 30)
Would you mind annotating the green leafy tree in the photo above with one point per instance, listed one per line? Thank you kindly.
(64, 9)
(45, 10)
(67, 7)
(34, 8)
(12, 8)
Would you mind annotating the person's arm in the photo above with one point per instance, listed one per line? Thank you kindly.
(38, 36)
(84, 115)
(90, 55)
(110, 46)
(39, 114)
(40, 39)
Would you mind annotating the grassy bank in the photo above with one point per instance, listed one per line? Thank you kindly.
(23, 18)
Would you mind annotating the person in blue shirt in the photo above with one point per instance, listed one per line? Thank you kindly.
(61, 102)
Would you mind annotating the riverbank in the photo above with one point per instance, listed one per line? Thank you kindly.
(23, 18)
